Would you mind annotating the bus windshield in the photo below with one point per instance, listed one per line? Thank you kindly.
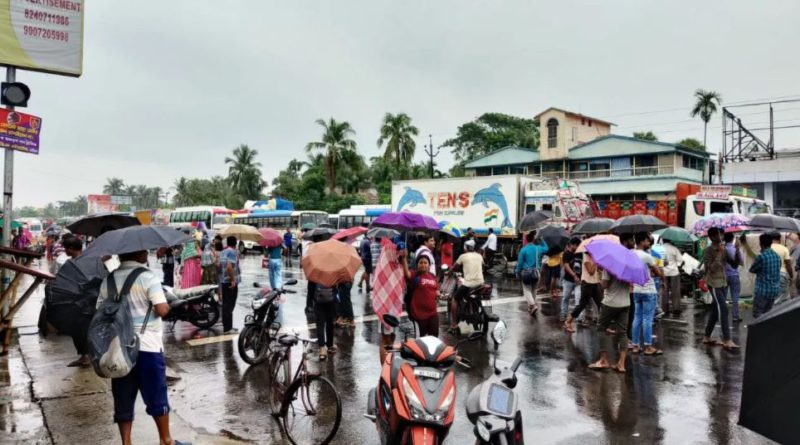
(313, 218)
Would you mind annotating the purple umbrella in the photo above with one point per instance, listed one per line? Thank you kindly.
(405, 221)
(619, 261)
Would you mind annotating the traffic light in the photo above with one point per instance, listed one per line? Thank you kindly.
(15, 94)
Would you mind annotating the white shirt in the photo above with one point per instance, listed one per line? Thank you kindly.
(146, 290)
(650, 286)
(674, 258)
(491, 242)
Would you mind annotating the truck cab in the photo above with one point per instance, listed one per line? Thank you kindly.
(722, 199)
(564, 198)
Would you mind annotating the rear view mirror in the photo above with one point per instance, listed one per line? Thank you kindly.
(500, 332)
(291, 282)
(391, 320)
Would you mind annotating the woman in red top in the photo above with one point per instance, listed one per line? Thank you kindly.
(447, 254)
(424, 293)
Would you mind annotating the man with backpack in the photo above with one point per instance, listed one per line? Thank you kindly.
(146, 303)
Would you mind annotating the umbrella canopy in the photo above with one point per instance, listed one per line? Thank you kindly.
(534, 220)
(555, 237)
(449, 229)
(78, 279)
(272, 238)
(608, 237)
(241, 232)
(96, 225)
(405, 221)
(308, 226)
(637, 223)
(619, 261)
(676, 235)
(727, 222)
(593, 226)
(381, 232)
(319, 234)
(771, 385)
(14, 224)
(775, 222)
(330, 263)
(350, 234)
(135, 239)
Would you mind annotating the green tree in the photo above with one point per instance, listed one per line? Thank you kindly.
(705, 106)
(181, 187)
(692, 144)
(26, 212)
(336, 141)
(244, 172)
(114, 186)
(398, 135)
(645, 135)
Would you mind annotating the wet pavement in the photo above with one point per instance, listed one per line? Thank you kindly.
(689, 395)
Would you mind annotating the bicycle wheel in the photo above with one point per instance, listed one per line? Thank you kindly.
(253, 344)
(279, 380)
(313, 411)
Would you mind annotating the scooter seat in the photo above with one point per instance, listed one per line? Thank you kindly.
(287, 340)
(193, 291)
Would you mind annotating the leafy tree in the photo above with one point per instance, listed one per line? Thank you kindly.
(692, 144)
(645, 135)
(705, 106)
(336, 140)
(287, 183)
(26, 212)
(181, 187)
(244, 172)
(398, 135)
(490, 132)
(114, 186)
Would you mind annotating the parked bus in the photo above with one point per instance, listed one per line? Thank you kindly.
(280, 220)
(361, 214)
(213, 217)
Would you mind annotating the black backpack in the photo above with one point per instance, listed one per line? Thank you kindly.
(324, 294)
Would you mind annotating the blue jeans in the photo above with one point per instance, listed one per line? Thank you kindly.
(570, 290)
(735, 287)
(275, 268)
(645, 310)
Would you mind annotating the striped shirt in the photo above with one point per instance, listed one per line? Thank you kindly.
(146, 290)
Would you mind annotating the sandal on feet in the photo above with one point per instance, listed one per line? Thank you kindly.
(654, 352)
(712, 342)
(596, 367)
(621, 371)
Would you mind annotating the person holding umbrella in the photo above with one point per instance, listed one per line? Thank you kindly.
(714, 263)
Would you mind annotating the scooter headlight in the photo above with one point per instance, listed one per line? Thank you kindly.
(418, 411)
(256, 304)
(448, 401)
(483, 432)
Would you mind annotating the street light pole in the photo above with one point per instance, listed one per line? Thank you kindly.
(430, 153)
(8, 177)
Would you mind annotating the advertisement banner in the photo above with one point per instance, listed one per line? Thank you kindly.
(19, 131)
(100, 204)
(42, 35)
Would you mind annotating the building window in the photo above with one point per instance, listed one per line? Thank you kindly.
(483, 171)
(518, 170)
(693, 163)
(552, 133)
(499, 171)
(590, 122)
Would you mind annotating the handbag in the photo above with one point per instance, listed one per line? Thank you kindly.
(529, 275)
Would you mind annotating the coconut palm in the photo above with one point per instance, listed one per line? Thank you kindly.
(705, 106)
(244, 172)
(181, 187)
(398, 134)
(335, 143)
(114, 186)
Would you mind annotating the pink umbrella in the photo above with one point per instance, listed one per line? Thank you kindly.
(350, 234)
(272, 238)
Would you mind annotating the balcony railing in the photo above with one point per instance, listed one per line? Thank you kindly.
(623, 172)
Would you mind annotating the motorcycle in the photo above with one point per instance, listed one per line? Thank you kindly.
(413, 403)
(261, 326)
(197, 305)
(472, 316)
(492, 406)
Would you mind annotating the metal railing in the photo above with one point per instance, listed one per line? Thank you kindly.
(623, 172)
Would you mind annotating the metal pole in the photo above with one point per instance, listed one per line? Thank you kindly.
(8, 192)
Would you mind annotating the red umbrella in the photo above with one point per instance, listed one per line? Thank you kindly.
(272, 238)
(350, 234)
(330, 263)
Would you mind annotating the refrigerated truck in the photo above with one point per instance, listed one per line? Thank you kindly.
(497, 202)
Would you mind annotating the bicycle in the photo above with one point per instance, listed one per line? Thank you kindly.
(306, 402)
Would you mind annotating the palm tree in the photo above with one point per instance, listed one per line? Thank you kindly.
(181, 187)
(398, 134)
(335, 142)
(114, 186)
(244, 172)
(705, 106)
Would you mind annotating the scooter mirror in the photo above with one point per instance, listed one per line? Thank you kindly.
(256, 284)
(499, 332)
(475, 336)
(391, 320)
(291, 282)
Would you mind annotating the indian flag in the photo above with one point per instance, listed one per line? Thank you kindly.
(490, 216)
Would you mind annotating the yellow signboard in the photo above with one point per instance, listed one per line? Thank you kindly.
(42, 35)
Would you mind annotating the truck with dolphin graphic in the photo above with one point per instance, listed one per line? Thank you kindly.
(497, 202)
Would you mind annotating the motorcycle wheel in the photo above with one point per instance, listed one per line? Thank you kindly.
(253, 344)
(210, 310)
(481, 323)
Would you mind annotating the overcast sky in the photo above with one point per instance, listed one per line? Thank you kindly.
(171, 87)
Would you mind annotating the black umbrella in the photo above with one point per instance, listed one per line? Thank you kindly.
(637, 223)
(771, 383)
(774, 222)
(77, 279)
(555, 237)
(96, 225)
(382, 232)
(319, 234)
(134, 239)
(593, 226)
(534, 220)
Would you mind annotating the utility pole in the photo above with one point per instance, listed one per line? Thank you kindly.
(430, 153)
(8, 204)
